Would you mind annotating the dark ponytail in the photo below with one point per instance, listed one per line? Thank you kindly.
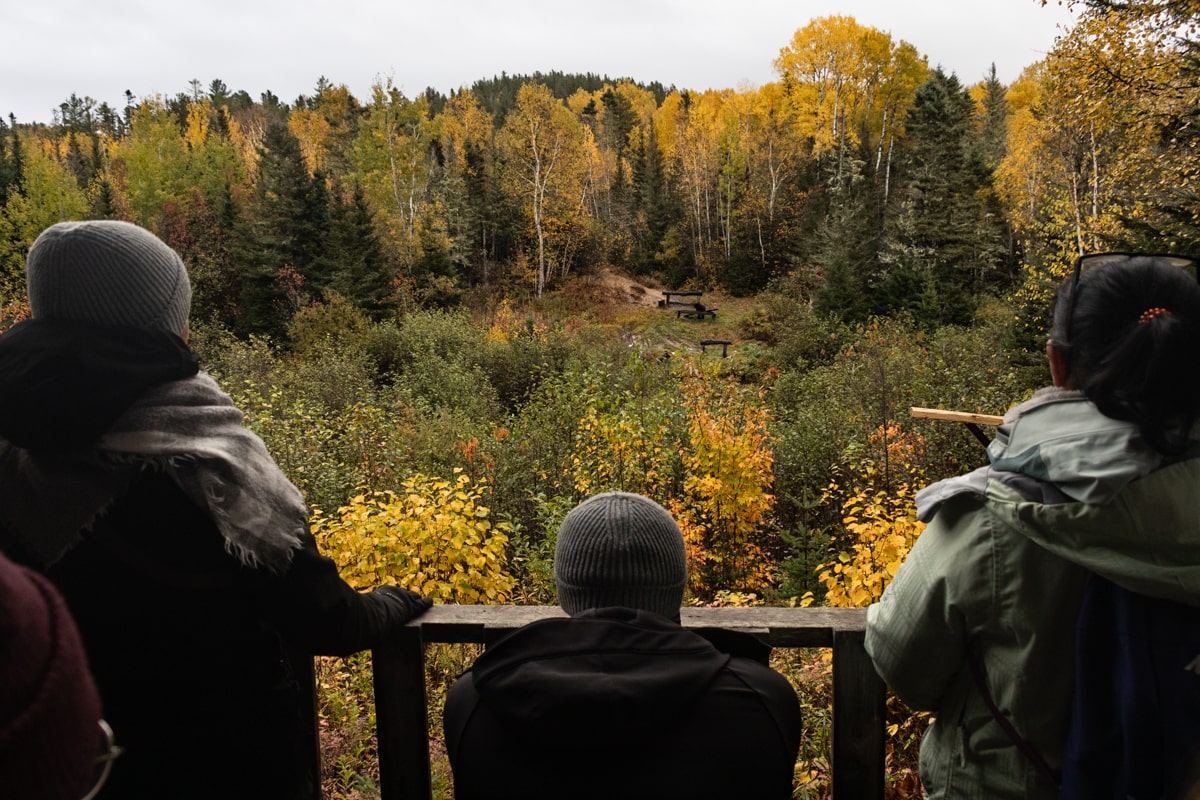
(1132, 341)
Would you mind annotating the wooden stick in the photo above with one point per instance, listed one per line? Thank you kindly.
(955, 416)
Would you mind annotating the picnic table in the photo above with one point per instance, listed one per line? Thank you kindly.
(667, 302)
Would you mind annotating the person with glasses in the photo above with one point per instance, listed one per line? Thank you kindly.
(128, 478)
(1092, 487)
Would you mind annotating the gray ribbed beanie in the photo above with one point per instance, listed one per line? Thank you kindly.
(620, 549)
(107, 272)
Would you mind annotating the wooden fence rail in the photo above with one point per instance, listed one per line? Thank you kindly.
(402, 718)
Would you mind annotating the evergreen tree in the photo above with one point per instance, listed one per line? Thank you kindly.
(109, 122)
(206, 245)
(941, 249)
(993, 122)
(12, 170)
(463, 218)
(360, 272)
(77, 164)
(218, 93)
(104, 199)
(991, 147)
(313, 257)
(6, 178)
(282, 235)
(619, 119)
(848, 240)
(75, 115)
(618, 214)
(656, 205)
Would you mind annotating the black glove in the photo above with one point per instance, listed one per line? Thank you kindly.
(401, 605)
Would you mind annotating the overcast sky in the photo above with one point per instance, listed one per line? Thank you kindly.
(99, 49)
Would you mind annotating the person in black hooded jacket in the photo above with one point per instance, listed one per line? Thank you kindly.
(619, 700)
(184, 555)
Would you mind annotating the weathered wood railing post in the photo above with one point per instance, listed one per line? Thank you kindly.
(305, 674)
(859, 704)
(402, 719)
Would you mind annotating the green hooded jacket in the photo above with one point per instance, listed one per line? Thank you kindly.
(998, 575)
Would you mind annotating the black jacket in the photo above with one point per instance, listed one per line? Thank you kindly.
(186, 643)
(622, 703)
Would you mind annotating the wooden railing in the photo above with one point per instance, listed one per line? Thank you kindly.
(858, 694)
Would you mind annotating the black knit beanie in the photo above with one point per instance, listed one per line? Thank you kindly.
(620, 549)
(107, 272)
(50, 731)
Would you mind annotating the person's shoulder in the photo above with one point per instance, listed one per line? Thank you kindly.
(749, 661)
(773, 695)
(462, 691)
(735, 643)
(760, 676)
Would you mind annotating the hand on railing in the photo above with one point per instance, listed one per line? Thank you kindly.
(401, 605)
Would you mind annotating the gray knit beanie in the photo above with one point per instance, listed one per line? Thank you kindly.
(620, 549)
(106, 272)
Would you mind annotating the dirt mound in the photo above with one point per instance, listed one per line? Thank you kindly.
(628, 289)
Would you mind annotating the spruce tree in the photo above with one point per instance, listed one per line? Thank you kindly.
(655, 207)
(15, 171)
(848, 239)
(281, 241)
(360, 272)
(941, 248)
(104, 199)
(993, 122)
(6, 177)
(77, 164)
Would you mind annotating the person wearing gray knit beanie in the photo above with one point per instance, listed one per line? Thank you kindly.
(618, 699)
(107, 272)
(130, 482)
(620, 549)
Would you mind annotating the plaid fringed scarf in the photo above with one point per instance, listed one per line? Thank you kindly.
(193, 430)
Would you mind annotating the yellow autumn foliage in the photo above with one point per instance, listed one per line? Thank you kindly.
(879, 519)
(726, 496)
(434, 536)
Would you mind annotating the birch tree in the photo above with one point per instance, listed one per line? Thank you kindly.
(851, 86)
(391, 154)
(543, 160)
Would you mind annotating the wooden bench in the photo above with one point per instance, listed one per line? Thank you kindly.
(707, 343)
(695, 313)
(859, 696)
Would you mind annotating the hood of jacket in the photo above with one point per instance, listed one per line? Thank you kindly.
(63, 384)
(623, 669)
(1089, 489)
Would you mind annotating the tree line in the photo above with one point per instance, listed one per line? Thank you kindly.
(874, 184)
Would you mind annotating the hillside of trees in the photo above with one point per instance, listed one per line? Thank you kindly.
(876, 184)
(406, 297)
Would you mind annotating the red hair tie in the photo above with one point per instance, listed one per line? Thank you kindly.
(1151, 313)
